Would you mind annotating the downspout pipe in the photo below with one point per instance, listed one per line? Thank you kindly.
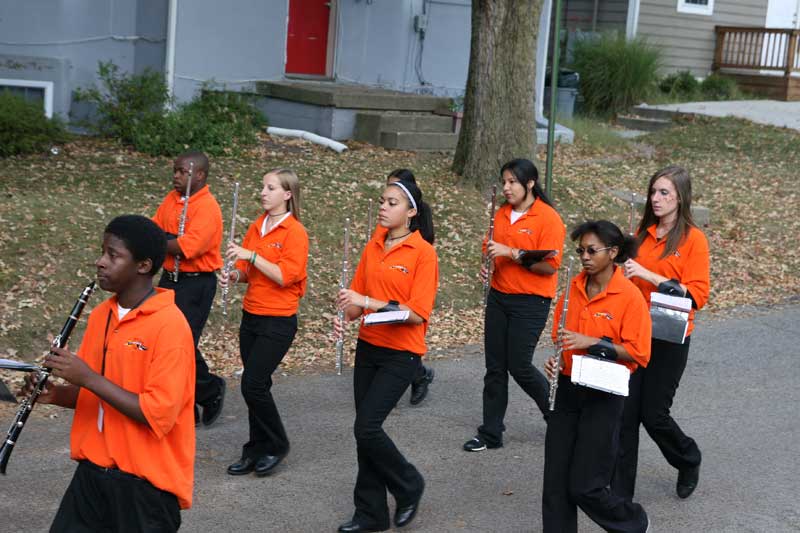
(169, 62)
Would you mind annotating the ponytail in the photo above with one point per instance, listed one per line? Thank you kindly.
(610, 235)
(423, 220)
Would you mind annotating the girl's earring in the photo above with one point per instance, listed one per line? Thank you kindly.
(408, 223)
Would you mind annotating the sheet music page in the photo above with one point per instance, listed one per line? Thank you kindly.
(678, 303)
(600, 374)
(386, 317)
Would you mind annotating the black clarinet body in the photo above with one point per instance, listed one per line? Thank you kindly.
(27, 405)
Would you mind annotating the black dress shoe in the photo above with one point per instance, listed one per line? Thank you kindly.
(196, 416)
(419, 389)
(212, 411)
(243, 466)
(354, 527)
(405, 514)
(687, 481)
(266, 464)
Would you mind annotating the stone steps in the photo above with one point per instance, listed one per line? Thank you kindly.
(406, 131)
(634, 122)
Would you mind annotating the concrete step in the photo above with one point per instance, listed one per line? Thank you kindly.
(350, 96)
(651, 112)
(369, 126)
(423, 142)
(644, 124)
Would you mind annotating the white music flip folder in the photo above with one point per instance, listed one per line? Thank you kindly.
(386, 317)
(670, 317)
(600, 374)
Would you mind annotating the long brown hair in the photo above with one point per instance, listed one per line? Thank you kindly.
(289, 182)
(683, 187)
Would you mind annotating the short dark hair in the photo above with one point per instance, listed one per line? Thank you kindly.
(142, 237)
(199, 159)
(610, 235)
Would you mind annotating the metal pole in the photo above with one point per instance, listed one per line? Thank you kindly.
(551, 120)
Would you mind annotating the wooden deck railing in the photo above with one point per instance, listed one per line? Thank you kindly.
(757, 49)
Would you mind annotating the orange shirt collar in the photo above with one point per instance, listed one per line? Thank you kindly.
(414, 240)
(161, 299)
(615, 285)
(534, 210)
(204, 191)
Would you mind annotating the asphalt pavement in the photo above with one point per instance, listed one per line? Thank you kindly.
(738, 398)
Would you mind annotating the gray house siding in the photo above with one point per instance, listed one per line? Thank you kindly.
(378, 45)
(688, 41)
(62, 40)
(235, 44)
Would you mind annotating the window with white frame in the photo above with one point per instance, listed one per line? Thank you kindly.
(31, 90)
(696, 7)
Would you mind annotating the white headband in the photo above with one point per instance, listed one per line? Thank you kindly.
(411, 198)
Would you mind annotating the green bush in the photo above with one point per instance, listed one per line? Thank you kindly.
(218, 123)
(681, 84)
(716, 87)
(615, 73)
(125, 102)
(24, 128)
(131, 108)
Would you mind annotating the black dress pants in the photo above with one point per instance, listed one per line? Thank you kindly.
(512, 328)
(100, 500)
(194, 296)
(652, 390)
(263, 341)
(380, 378)
(581, 449)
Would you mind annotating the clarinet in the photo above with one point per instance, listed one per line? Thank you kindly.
(182, 221)
(27, 405)
(489, 263)
(226, 271)
(342, 285)
(559, 350)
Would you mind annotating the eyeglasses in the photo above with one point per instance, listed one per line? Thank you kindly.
(591, 251)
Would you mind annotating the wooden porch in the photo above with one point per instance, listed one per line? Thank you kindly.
(763, 61)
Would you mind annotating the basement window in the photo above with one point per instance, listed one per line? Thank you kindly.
(696, 7)
(32, 90)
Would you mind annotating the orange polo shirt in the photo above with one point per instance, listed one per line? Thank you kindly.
(619, 312)
(202, 235)
(407, 273)
(689, 264)
(286, 245)
(540, 228)
(150, 353)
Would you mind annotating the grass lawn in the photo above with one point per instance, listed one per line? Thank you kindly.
(53, 210)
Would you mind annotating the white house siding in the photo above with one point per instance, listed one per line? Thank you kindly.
(687, 41)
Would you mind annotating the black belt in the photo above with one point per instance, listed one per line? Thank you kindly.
(175, 278)
(113, 471)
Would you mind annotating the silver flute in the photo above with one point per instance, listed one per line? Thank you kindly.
(342, 285)
(487, 283)
(369, 220)
(559, 349)
(182, 221)
(226, 270)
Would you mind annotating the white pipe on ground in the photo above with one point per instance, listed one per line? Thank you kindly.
(307, 135)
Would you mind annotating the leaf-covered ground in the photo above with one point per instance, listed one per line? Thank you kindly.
(53, 210)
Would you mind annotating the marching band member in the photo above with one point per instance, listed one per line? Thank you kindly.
(519, 299)
(198, 253)
(272, 261)
(425, 374)
(673, 258)
(131, 385)
(397, 271)
(607, 317)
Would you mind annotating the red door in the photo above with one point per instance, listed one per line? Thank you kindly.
(307, 40)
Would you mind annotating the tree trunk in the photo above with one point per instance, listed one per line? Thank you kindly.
(499, 117)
